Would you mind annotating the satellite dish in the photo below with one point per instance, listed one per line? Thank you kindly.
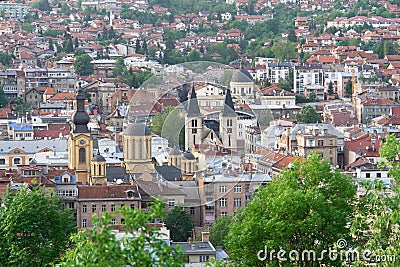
(119, 181)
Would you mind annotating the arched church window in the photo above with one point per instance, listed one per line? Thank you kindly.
(82, 154)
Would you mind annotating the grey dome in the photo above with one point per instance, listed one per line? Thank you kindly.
(188, 155)
(137, 129)
(98, 158)
(242, 76)
(174, 152)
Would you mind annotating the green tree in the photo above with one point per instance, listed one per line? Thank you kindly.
(330, 88)
(141, 246)
(308, 207)
(27, 26)
(377, 216)
(119, 68)
(83, 65)
(6, 59)
(34, 231)
(3, 100)
(308, 115)
(284, 50)
(348, 89)
(179, 222)
(220, 230)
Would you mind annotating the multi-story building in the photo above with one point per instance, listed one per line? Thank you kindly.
(278, 71)
(59, 79)
(321, 138)
(372, 108)
(225, 194)
(96, 199)
(14, 10)
(8, 82)
(307, 75)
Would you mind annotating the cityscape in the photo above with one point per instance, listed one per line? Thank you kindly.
(199, 133)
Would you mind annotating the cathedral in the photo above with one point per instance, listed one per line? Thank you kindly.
(197, 133)
(138, 163)
(222, 129)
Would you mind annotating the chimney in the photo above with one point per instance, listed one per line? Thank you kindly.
(205, 236)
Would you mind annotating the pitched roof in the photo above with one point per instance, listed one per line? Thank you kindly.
(107, 191)
(193, 105)
(228, 110)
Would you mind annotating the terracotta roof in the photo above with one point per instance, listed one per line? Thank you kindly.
(63, 96)
(363, 147)
(284, 162)
(106, 191)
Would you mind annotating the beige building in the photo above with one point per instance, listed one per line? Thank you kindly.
(278, 97)
(321, 138)
(96, 199)
(225, 194)
(320, 142)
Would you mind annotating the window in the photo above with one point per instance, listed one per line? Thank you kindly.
(331, 142)
(84, 208)
(2, 161)
(122, 221)
(84, 223)
(223, 213)
(222, 188)
(378, 175)
(320, 142)
(132, 206)
(237, 189)
(368, 175)
(94, 208)
(82, 154)
(112, 207)
(191, 210)
(204, 258)
(222, 202)
(113, 222)
(103, 207)
(171, 202)
(17, 161)
(237, 202)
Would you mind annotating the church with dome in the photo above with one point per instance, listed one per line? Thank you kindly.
(137, 161)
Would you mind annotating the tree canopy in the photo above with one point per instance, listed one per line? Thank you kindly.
(308, 115)
(220, 230)
(34, 231)
(140, 246)
(179, 222)
(308, 206)
(83, 65)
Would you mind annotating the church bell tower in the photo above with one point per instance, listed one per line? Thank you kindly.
(80, 144)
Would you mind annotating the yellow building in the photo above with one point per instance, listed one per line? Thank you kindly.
(137, 151)
(80, 144)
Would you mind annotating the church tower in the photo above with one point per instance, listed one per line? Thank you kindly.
(228, 123)
(98, 170)
(80, 144)
(193, 122)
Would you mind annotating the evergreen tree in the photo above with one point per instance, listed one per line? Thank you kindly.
(3, 100)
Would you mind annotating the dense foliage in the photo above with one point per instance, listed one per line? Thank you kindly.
(140, 246)
(179, 222)
(308, 115)
(307, 207)
(34, 231)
